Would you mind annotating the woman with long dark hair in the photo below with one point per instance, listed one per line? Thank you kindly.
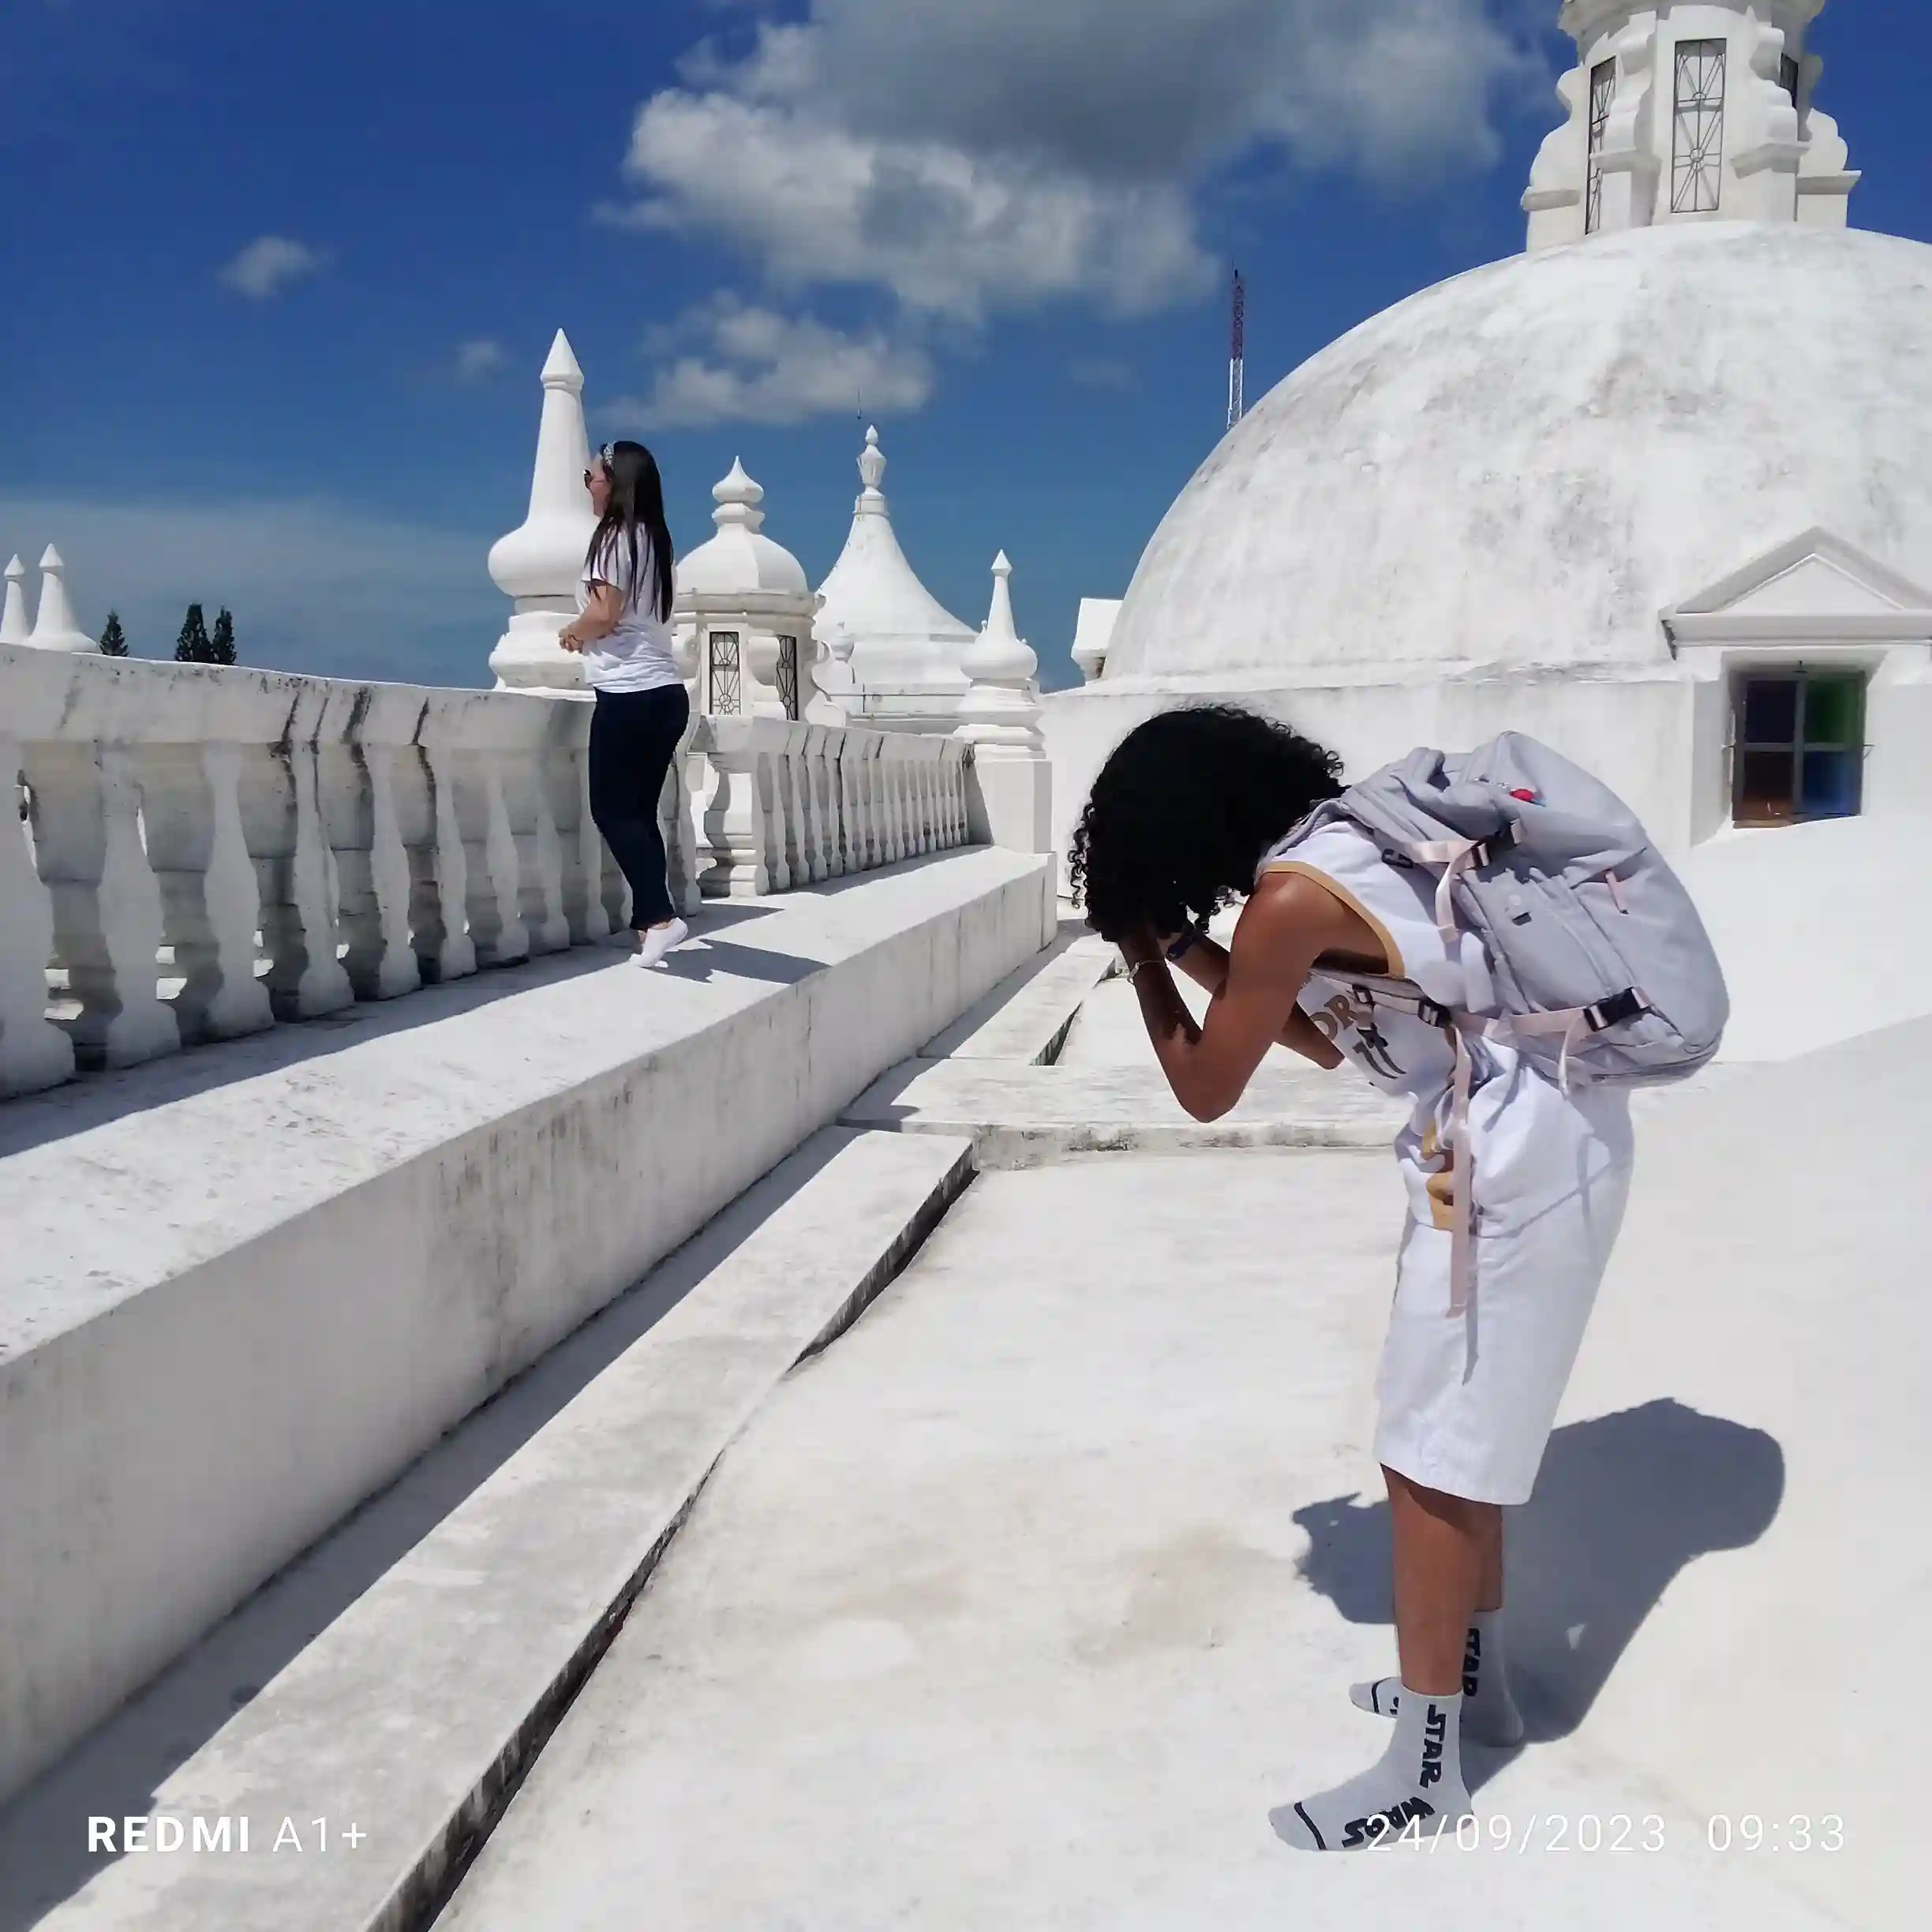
(624, 633)
(1195, 809)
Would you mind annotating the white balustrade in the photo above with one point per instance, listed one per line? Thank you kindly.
(192, 853)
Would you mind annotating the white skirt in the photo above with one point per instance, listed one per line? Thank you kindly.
(1467, 1401)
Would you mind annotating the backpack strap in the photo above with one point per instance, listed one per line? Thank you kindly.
(1456, 856)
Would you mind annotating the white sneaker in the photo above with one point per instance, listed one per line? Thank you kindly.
(660, 940)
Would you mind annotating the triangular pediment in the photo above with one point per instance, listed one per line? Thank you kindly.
(1816, 574)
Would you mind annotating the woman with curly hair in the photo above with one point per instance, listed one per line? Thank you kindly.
(1195, 810)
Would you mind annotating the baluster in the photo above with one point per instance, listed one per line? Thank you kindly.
(296, 872)
(735, 831)
(873, 782)
(845, 801)
(891, 771)
(539, 851)
(440, 867)
(210, 900)
(568, 775)
(948, 818)
(356, 789)
(34, 1053)
(490, 851)
(381, 961)
(795, 795)
(105, 900)
(770, 749)
(928, 805)
(818, 790)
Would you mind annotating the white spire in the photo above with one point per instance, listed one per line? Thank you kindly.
(1699, 114)
(54, 628)
(13, 618)
(1010, 791)
(903, 645)
(1001, 707)
(538, 564)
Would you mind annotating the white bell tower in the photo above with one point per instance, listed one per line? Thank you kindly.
(1687, 112)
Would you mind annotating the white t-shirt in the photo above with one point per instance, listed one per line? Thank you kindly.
(637, 655)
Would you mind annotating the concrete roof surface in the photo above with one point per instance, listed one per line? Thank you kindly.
(1022, 1606)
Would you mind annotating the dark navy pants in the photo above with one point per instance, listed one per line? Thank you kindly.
(633, 737)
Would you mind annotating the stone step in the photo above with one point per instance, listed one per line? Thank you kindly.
(1025, 1020)
(1019, 1116)
(410, 1717)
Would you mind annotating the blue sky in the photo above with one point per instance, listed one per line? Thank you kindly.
(278, 278)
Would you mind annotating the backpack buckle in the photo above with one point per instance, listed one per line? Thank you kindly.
(1628, 1004)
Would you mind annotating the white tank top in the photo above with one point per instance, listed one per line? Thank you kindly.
(1400, 1053)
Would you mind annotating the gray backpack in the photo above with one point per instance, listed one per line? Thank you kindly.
(1597, 964)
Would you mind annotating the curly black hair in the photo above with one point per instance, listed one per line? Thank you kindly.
(1183, 811)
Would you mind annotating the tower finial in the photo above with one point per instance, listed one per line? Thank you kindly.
(872, 471)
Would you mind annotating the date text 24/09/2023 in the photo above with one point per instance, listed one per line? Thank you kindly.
(1625, 1831)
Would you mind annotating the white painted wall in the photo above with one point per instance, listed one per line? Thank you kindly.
(1634, 733)
(231, 1308)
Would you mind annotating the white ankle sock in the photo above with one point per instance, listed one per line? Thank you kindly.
(1490, 1713)
(1417, 1782)
(659, 940)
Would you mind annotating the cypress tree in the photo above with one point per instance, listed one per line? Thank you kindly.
(114, 639)
(193, 645)
(222, 646)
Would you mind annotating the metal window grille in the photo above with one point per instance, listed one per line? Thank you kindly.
(1798, 745)
(725, 700)
(1603, 94)
(788, 675)
(1697, 153)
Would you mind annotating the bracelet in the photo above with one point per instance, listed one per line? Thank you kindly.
(1191, 936)
(1136, 968)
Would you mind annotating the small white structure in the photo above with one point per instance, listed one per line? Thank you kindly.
(904, 647)
(1093, 634)
(744, 616)
(13, 614)
(1000, 718)
(1687, 113)
(54, 627)
(538, 565)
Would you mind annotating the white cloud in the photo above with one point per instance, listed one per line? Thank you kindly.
(730, 361)
(477, 361)
(314, 586)
(270, 263)
(948, 232)
(1012, 152)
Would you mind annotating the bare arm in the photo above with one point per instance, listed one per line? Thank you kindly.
(599, 618)
(1288, 924)
(1206, 963)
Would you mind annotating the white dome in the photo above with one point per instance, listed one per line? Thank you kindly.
(1525, 465)
(738, 560)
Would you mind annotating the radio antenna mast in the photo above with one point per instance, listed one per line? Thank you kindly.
(1238, 342)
